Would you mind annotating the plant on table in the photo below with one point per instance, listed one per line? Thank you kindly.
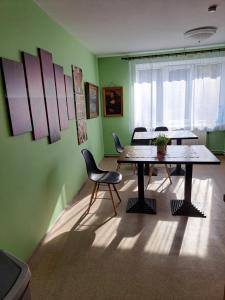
(161, 142)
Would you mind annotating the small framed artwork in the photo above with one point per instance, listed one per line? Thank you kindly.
(113, 101)
(80, 107)
(81, 131)
(77, 80)
(91, 95)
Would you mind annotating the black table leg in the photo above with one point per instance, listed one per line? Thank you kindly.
(141, 204)
(178, 171)
(185, 207)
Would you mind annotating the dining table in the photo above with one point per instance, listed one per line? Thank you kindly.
(189, 155)
(177, 135)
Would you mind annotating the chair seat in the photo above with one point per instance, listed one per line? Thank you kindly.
(110, 177)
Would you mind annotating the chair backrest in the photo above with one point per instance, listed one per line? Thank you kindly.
(161, 128)
(118, 146)
(139, 142)
(90, 162)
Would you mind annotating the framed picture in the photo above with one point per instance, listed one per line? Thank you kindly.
(91, 95)
(80, 107)
(78, 80)
(81, 131)
(113, 101)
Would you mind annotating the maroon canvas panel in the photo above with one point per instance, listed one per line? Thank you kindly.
(61, 96)
(70, 97)
(50, 95)
(36, 95)
(16, 95)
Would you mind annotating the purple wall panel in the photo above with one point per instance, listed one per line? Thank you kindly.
(50, 95)
(61, 96)
(36, 95)
(16, 94)
(70, 97)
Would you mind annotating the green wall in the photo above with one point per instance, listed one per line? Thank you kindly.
(216, 141)
(115, 72)
(38, 179)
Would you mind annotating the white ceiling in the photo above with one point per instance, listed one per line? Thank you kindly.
(124, 26)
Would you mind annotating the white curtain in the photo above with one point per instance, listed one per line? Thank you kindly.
(180, 94)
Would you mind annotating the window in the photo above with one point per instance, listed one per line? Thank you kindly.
(188, 94)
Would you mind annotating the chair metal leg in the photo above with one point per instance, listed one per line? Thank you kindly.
(150, 174)
(115, 189)
(96, 192)
(168, 173)
(114, 207)
(118, 166)
(92, 196)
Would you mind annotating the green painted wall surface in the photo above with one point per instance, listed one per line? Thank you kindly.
(38, 179)
(216, 141)
(115, 72)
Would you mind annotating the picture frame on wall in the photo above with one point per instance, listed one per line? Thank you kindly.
(92, 101)
(78, 80)
(113, 101)
(81, 131)
(80, 107)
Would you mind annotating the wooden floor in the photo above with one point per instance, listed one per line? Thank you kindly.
(135, 257)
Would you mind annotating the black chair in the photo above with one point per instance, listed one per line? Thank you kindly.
(118, 146)
(160, 128)
(139, 142)
(100, 177)
(119, 149)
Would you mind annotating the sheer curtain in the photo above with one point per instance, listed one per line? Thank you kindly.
(180, 94)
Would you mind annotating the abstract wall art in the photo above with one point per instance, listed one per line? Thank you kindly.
(16, 96)
(50, 95)
(35, 95)
(61, 96)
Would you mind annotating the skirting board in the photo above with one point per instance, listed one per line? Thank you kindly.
(217, 152)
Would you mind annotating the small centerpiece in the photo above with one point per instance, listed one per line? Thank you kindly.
(161, 142)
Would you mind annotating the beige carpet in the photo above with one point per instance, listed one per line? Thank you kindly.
(135, 256)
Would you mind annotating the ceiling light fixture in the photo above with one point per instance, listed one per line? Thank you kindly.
(212, 8)
(200, 33)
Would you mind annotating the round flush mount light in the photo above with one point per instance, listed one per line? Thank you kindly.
(200, 33)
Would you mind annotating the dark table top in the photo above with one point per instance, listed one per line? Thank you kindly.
(193, 154)
(173, 135)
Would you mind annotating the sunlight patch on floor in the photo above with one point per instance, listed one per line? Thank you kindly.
(161, 238)
(178, 188)
(127, 185)
(128, 242)
(68, 219)
(195, 240)
(106, 233)
(159, 185)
